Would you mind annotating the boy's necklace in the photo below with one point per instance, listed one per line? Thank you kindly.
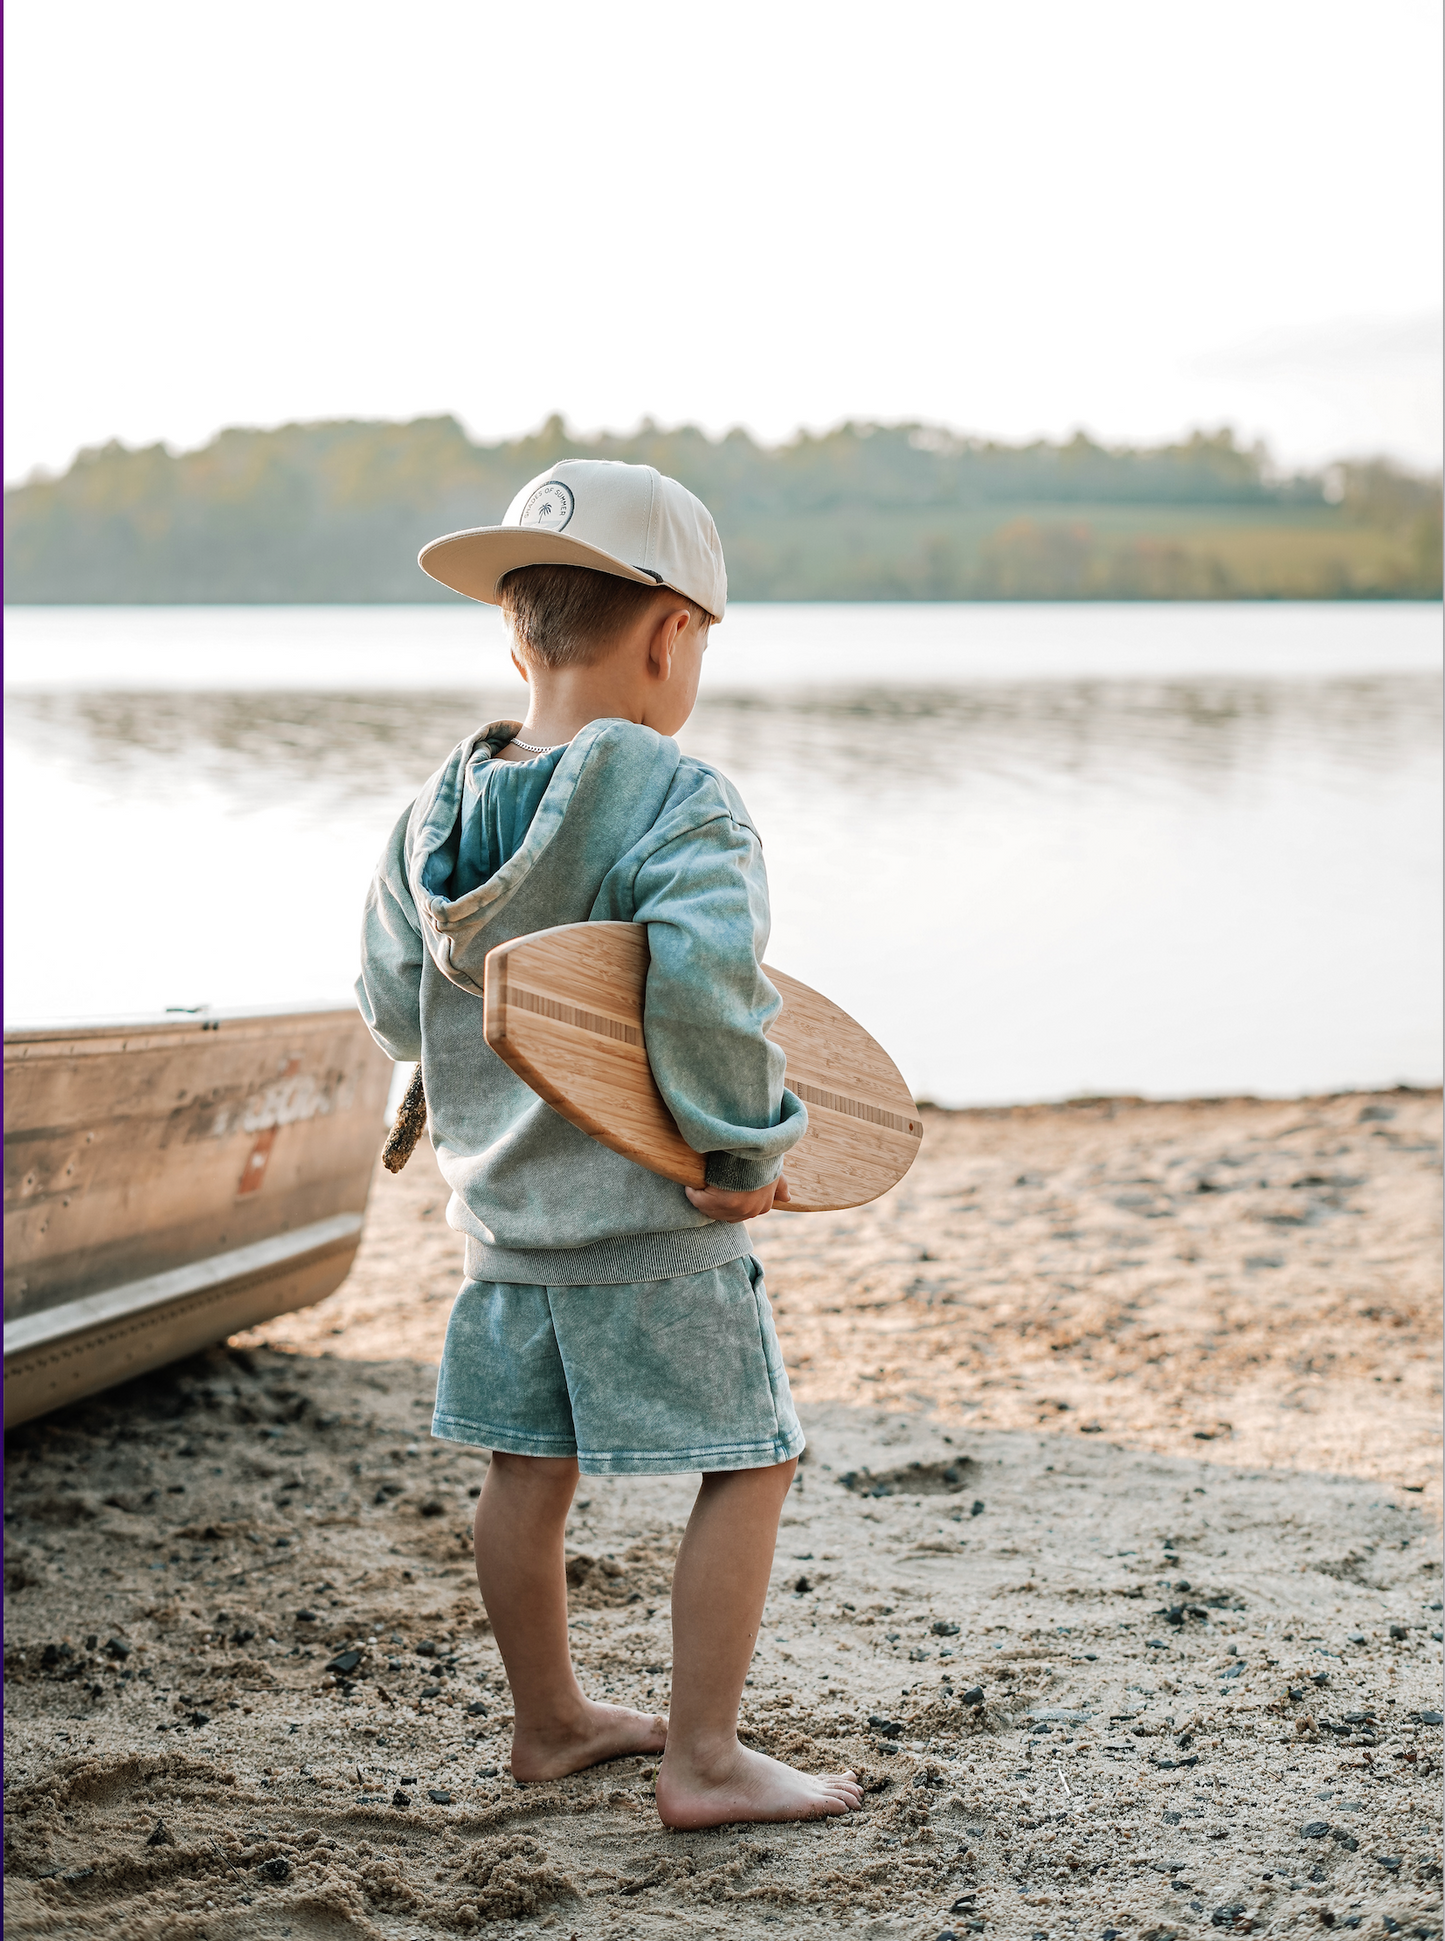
(532, 749)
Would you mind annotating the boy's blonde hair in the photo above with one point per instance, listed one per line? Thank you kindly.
(568, 616)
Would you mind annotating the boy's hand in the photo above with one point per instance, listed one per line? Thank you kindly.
(718, 1205)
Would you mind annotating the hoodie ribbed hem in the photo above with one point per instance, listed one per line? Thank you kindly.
(611, 1263)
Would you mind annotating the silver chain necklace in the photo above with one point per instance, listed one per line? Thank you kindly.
(532, 749)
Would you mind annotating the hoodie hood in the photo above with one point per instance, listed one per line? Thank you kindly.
(615, 774)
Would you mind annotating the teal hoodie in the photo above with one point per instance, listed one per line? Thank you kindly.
(629, 830)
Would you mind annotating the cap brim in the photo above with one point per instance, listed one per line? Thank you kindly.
(473, 562)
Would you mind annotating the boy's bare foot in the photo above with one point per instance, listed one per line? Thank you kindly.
(595, 1733)
(743, 1785)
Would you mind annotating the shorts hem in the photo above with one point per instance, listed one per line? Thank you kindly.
(682, 1462)
(623, 1462)
(508, 1442)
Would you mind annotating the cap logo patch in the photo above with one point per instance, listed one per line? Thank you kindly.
(549, 507)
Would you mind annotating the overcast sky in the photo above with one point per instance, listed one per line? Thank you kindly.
(1014, 219)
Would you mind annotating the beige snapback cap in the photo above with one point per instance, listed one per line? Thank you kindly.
(597, 512)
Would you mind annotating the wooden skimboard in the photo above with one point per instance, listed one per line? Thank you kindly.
(564, 1010)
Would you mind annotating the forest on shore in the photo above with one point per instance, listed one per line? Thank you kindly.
(336, 512)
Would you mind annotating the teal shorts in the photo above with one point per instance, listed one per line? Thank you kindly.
(650, 1378)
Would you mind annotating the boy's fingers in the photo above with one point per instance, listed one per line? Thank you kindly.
(719, 1205)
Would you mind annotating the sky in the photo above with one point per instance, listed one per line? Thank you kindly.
(1015, 220)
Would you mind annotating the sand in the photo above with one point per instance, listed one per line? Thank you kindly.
(1113, 1567)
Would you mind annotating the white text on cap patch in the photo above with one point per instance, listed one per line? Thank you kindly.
(550, 507)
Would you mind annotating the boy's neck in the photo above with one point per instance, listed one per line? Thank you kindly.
(554, 718)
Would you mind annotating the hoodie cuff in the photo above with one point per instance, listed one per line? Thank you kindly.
(729, 1174)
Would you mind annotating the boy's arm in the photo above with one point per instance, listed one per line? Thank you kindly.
(704, 899)
(388, 990)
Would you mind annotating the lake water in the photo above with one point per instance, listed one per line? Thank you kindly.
(1038, 851)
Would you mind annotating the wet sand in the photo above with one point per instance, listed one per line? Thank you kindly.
(1113, 1567)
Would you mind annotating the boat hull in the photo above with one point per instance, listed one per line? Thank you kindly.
(170, 1181)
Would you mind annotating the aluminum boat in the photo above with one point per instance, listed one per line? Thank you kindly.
(170, 1180)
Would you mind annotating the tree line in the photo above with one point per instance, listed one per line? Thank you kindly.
(336, 513)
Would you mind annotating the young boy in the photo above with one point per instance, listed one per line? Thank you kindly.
(610, 1322)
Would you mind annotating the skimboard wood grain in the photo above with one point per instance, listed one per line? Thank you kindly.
(564, 1010)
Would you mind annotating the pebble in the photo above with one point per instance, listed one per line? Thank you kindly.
(278, 1868)
(476, 1711)
(439, 1796)
(399, 1798)
(1430, 1718)
(941, 1628)
(344, 1661)
(1316, 1830)
(161, 1837)
(973, 1696)
(431, 1691)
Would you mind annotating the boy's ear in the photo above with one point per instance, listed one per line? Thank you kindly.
(670, 628)
(521, 666)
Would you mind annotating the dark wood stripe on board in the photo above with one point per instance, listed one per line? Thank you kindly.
(550, 1007)
(855, 1108)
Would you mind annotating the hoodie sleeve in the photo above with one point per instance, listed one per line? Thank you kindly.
(704, 899)
(388, 990)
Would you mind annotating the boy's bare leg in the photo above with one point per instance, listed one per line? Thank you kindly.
(718, 1588)
(521, 1519)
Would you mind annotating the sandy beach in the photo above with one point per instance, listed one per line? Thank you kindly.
(1113, 1567)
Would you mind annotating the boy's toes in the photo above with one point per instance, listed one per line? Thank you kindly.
(845, 1790)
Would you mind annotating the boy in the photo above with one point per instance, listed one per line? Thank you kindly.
(610, 1322)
